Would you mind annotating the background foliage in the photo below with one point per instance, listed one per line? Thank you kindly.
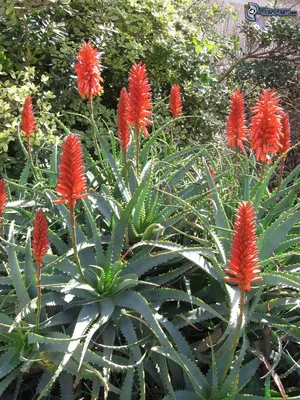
(172, 38)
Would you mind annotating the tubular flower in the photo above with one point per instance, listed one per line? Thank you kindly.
(244, 254)
(175, 105)
(3, 197)
(71, 180)
(236, 124)
(139, 98)
(285, 137)
(88, 71)
(40, 243)
(123, 126)
(28, 123)
(265, 126)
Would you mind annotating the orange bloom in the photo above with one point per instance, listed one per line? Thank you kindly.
(28, 123)
(88, 71)
(244, 253)
(71, 180)
(123, 126)
(139, 98)
(175, 105)
(40, 243)
(3, 197)
(265, 126)
(236, 124)
(285, 137)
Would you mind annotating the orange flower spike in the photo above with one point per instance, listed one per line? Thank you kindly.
(236, 124)
(88, 71)
(71, 180)
(266, 126)
(244, 253)
(175, 104)
(123, 126)
(28, 123)
(40, 243)
(139, 98)
(285, 137)
(3, 197)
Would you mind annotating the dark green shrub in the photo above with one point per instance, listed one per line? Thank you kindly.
(176, 40)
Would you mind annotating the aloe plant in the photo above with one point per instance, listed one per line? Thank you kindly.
(105, 325)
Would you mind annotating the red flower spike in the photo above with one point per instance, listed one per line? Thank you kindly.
(88, 71)
(123, 126)
(285, 137)
(265, 126)
(71, 180)
(3, 197)
(175, 105)
(236, 124)
(40, 243)
(244, 253)
(139, 98)
(212, 172)
(28, 122)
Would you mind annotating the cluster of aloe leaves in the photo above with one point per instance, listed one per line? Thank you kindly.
(153, 248)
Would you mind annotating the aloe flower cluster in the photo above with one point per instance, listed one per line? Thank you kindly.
(40, 242)
(175, 104)
(269, 131)
(243, 261)
(28, 122)
(71, 179)
(139, 99)
(266, 126)
(88, 68)
(236, 125)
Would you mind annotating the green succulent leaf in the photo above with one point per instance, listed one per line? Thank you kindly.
(198, 380)
(15, 272)
(87, 315)
(182, 395)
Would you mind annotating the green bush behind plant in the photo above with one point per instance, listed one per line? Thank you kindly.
(14, 87)
(176, 40)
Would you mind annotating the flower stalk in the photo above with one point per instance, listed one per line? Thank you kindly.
(97, 149)
(3, 202)
(262, 171)
(40, 246)
(74, 244)
(236, 337)
(137, 149)
(285, 144)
